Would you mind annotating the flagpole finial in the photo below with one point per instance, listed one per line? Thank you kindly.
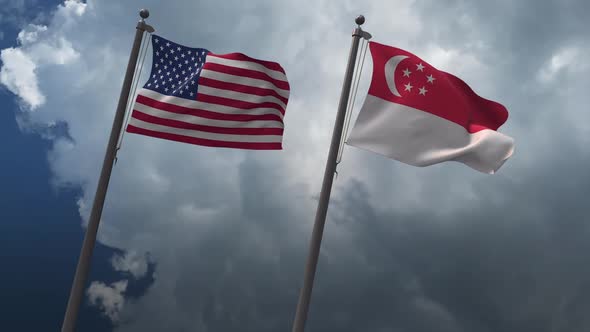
(144, 13)
(360, 20)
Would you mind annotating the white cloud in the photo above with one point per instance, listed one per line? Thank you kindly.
(131, 262)
(18, 75)
(30, 34)
(560, 60)
(109, 299)
(38, 49)
(76, 7)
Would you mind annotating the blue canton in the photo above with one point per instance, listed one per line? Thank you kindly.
(175, 68)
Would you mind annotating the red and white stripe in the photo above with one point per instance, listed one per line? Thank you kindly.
(240, 103)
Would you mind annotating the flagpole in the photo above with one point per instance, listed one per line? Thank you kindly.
(83, 268)
(320, 218)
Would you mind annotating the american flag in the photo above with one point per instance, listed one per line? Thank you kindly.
(218, 100)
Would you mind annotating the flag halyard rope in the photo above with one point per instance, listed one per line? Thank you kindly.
(355, 86)
(138, 69)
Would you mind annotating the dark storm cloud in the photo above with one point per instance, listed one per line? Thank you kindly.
(509, 264)
(523, 30)
(515, 38)
(235, 277)
(514, 260)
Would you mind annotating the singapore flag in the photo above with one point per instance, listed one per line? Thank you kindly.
(421, 116)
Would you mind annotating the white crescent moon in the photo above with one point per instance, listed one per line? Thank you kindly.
(390, 67)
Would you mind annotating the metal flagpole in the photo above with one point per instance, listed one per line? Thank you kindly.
(320, 218)
(77, 292)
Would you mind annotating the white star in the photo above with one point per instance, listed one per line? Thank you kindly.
(167, 44)
(156, 65)
(175, 58)
(193, 82)
(178, 48)
(430, 79)
(154, 76)
(174, 69)
(166, 89)
(156, 40)
(157, 53)
(171, 51)
(162, 60)
(193, 58)
(407, 72)
(423, 91)
(408, 87)
(177, 76)
(183, 72)
(157, 86)
(179, 65)
(149, 84)
(166, 55)
(161, 48)
(191, 94)
(182, 55)
(420, 67)
(186, 87)
(185, 61)
(174, 86)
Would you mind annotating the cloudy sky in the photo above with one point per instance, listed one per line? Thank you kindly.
(201, 239)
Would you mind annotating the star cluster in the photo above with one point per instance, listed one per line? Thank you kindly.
(417, 80)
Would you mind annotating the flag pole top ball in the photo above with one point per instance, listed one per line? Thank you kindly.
(144, 13)
(360, 20)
